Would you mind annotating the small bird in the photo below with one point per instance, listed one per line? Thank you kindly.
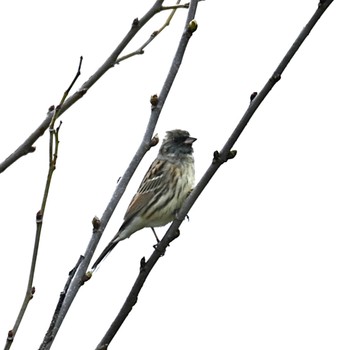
(163, 190)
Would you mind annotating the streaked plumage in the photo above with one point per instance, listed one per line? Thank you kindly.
(163, 189)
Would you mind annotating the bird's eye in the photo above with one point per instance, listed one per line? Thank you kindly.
(180, 139)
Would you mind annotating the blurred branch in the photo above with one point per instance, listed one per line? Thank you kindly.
(219, 158)
(80, 275)
(27, 146)
(53, 153)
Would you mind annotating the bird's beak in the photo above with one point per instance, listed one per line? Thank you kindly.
(189, 140)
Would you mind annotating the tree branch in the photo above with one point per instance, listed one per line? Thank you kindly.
(48, 335)
(141, 49)
(219, 158)
(27, 146)
(53, 153)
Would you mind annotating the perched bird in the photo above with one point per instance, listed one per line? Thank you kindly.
(163, 190)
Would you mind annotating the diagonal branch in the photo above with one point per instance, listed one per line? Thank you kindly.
(47, 338)
(219, 158)
(27, 146)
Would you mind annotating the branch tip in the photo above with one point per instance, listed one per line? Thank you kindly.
(59, 127)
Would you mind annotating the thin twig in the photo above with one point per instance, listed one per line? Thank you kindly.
(141, 49)
(27, 146)
(219, 158)
(66, 93)
(53, 154)
(177, 6)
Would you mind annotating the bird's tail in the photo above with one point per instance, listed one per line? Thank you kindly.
(105, 252)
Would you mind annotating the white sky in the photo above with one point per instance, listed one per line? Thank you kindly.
(264, 261)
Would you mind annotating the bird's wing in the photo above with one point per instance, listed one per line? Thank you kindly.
(150, 185)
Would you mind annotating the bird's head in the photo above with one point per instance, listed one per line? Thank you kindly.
(177, 143)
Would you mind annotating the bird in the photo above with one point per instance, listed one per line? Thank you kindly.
(164, 188)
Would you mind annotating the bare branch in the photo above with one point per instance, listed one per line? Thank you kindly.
(219, 158)
(141, 49)
(137, 24)
(66, 93)
(48, 335)
(53, 154)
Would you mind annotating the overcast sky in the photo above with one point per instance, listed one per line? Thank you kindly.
(263, 262)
